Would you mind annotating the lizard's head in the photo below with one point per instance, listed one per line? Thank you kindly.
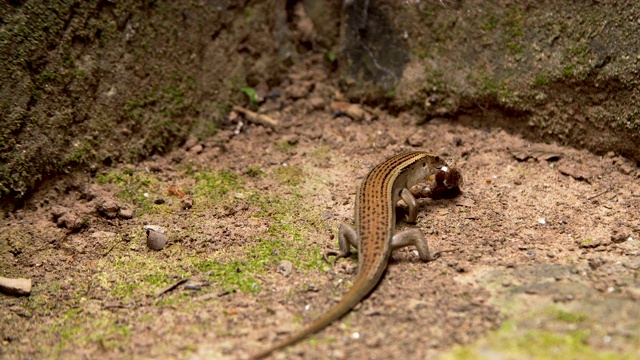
(444, 182)
(448, 177)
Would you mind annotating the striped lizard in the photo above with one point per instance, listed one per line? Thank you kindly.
(374, 235)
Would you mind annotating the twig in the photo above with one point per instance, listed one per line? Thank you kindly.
(600, 193)
(170, 287)
(257, 118)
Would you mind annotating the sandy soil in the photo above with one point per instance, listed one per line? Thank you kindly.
(543, 257)
(545, 247)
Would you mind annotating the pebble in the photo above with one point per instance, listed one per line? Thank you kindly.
(125, 213)
(196, 149)
(416, 139)
(186, 204)
(108, 207)
(284, 268)
(16, 287)
(156, 240)
(317, 102)
(71, 221)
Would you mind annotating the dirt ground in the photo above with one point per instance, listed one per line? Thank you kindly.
(542, 244)
(544, 256)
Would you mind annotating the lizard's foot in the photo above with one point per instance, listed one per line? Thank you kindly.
(439, 253)
(337, 254)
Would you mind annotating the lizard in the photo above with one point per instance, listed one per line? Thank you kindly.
(375, 235)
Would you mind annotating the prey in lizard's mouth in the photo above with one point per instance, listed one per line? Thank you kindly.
(444, 183)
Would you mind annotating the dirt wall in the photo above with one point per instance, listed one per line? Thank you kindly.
(86, 84)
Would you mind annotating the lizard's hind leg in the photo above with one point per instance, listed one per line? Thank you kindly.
(413, 237)
(347, 237)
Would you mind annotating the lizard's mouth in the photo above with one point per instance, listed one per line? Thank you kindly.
(449, 178)
(444, 183)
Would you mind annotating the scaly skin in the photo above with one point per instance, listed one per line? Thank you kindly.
(375, 236)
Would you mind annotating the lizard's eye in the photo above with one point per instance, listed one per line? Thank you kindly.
(437, 158)
(424, 164)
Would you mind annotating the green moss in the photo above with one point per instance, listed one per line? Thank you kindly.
(587, 242)
(80, 330)
(124, 290)
(511, 343)
(286, 238)
(231, 275)
(284, 146)
(490, 23)
(254, 172)
(579, 54)
(212, 185)
(47, 78)
(83, 155)
(320, 153)
(490, 86)
(540, 80)
(568, 317)
(514, 30)
(138, 188)
(568, 71)
(289, 175)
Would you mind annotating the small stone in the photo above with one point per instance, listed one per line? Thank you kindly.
(125, 213)
(17, 287)
(298, 90)
(191, 142)
(416, 139)
(576, 172)
(327, 215)
(107, 207)
(186, 204)
(57, 211)
(196, 149)
(292, 139)
(317, 102)
(284, 268)
(356, 112)
(619, 237)
(156, 240)
(71, 221)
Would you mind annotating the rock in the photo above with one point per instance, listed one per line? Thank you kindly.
(356, 112)
(107, 207)
(57, 211)
(186, 203)
(284, 268)
(416, 139)
(156, 240)
(317, 102)
(191, 142)
(576, 172)
(125, 213)
(71, 221)
(67, 218)
(196, 149)
(17, 287)
(619, 236)
(291, 139)
(298, 90)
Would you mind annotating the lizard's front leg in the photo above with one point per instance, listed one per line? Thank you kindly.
(411, 202)
(413, 237)
(347, 237)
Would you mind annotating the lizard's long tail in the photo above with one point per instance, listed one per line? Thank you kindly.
(359, 290)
